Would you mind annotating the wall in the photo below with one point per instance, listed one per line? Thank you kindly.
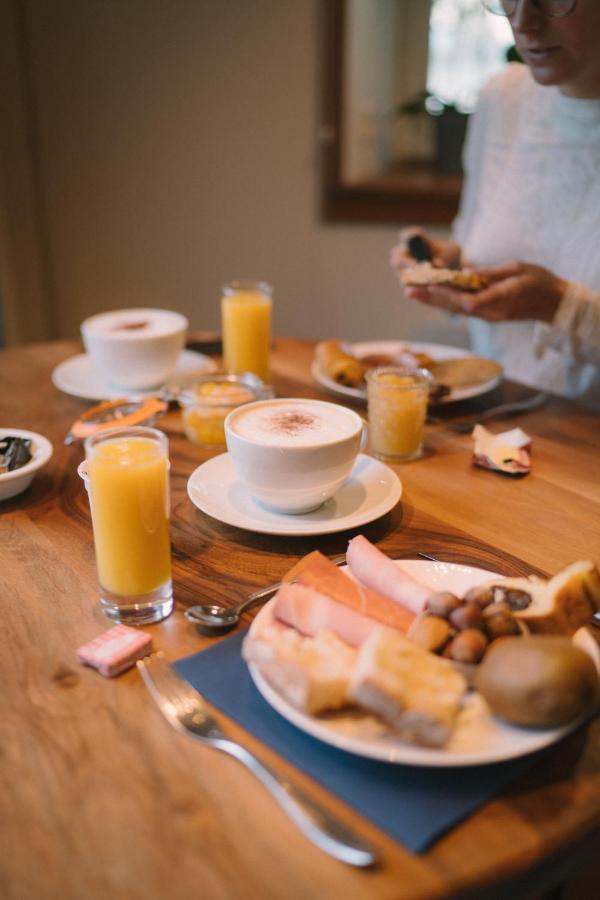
(176, 146)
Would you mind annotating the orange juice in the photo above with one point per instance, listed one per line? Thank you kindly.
(129, 495)
(246, 326)
(397, 406)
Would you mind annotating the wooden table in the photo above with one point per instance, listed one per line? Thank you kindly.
(102, 799)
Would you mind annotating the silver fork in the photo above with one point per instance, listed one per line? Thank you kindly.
(187, 712)
(505, 409)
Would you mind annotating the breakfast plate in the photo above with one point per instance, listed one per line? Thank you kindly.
(79, 377)
(371, 490)
(481, 382)
(478, 738)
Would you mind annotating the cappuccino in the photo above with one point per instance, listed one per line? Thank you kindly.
(292, 455)
(134, 324)
(135, 348)
(295, 423)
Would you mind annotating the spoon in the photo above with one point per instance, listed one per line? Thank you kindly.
(210, 618)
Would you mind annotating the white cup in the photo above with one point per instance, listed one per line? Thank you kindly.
(293, 454)
(136, 349)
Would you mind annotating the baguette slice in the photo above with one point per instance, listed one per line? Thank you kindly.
(318, 572)
(313, 674)
(560, 605)
(424, 274)
(416, 693)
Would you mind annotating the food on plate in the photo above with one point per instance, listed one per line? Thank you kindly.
(507, 452)
(15, 452)
(313, 674)
(587, 638)
(417, 694)
(319, 573)
(380, 573)
(348, 370)
(376, 639)
(464, 372)
(539, 681)
(424, 274)
(559, 605)
(340, 366)
(310, 611)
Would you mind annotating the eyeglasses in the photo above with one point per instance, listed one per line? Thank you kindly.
(555, 9)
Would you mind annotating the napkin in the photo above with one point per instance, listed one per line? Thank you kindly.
(507, 452)
(414, 805)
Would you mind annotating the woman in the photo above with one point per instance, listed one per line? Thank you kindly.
(532, 194)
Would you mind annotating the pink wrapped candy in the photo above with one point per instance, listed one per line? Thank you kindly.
(115, 650)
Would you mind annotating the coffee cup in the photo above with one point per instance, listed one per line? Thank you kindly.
(136, 349)
(293, 454)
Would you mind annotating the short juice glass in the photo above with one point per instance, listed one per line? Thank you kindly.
(206, 403)
(397, 405)
(127, 477)
(246, 326)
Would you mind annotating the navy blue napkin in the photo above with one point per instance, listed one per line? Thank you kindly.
(414, 805)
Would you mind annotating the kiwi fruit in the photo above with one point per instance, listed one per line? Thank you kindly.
(540, 681)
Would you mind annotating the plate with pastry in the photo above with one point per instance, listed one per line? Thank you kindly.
(343, 654)
(341, 366)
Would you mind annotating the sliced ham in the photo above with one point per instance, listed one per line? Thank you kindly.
(310, 612)
(377, 571)
(320, 574)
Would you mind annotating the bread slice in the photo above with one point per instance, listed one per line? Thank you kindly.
(424, 274)
(416, 693)
(560, 605)
(313, 674)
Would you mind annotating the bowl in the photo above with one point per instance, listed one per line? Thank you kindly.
(17, 481)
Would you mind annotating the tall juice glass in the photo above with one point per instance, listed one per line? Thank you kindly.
(246, 325)
(128, 484)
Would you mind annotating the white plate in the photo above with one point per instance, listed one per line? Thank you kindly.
(435, 351)
(478, 738)
(78, 376)
(371, 490)
(15, 482)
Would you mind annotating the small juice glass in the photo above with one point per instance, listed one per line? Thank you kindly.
(397, 405)
(246, 325)
(127, 477)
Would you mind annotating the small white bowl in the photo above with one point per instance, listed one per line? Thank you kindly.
(15, 482)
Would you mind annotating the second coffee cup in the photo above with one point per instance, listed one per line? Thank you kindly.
(293, 454)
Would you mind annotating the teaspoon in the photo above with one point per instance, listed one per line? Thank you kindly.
(211, 618)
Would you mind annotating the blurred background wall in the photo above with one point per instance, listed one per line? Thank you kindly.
(153, 149)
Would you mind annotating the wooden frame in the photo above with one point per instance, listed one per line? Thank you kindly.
(401, 195)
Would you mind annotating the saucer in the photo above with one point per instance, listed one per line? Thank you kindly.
(79, 377)
(371, 490)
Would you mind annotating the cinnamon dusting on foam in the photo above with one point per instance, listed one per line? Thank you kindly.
(290, 422)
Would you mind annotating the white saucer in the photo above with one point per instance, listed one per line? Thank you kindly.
(371, 490)
(78, 376)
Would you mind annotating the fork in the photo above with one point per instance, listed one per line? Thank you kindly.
(505, 409)
(188, 713)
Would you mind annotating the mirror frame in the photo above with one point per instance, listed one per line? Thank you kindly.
(385, 198)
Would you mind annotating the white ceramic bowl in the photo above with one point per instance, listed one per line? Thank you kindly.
(15, 482)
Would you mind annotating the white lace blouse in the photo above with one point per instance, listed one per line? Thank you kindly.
(532, 193)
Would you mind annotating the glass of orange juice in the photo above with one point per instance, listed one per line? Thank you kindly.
(397, 405)
(127, 477)
(246, 326)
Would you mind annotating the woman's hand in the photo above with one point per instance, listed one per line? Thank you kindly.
(444, 253)
(516, 290)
